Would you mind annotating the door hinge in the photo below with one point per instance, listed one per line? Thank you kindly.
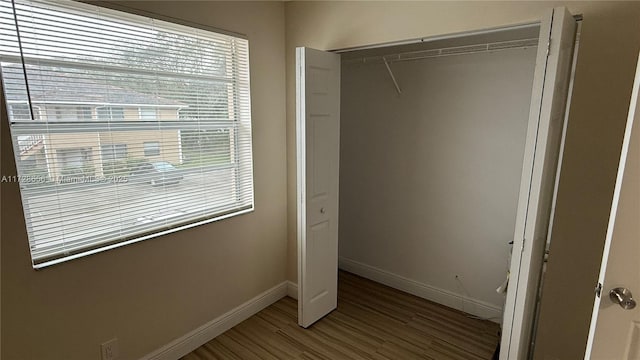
(522, 248)
(548, 47)
(598, 289)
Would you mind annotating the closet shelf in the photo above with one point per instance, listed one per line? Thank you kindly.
(447, 51)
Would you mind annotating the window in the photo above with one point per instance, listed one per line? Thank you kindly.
(110, 113)
(70, 113)
(22, 112)
(151, 148)
(114, 152)
(113, 89)
(148, 114)
(83, 112)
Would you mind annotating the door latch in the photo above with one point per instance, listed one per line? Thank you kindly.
(598, 289)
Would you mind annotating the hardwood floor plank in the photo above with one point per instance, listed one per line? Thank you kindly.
(242, 351)
(214, 349)
(267, 338)
(372, 322)
(467, 340)
(393, 350)
(454, 352)
(261, 349)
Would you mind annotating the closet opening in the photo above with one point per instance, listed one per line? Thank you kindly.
(432, 139)
(448, 151)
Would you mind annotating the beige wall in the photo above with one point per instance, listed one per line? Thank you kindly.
(166, 287)
(429, 179)
(168, 140)
(604, 75)
(149, 293)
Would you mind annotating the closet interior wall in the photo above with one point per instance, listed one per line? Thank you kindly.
(429, 176)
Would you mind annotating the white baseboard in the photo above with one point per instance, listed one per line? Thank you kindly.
(292, 290)
(194, 339)
(456, 301)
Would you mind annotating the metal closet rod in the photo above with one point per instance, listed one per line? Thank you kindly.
(447, 51)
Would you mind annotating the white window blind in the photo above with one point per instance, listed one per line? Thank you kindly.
(88, 89)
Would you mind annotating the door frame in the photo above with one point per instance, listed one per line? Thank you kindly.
(490, 30)
(534, 224)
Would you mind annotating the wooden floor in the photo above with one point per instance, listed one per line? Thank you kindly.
(372, 321)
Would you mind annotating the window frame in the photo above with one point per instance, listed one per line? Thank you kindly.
(156, 151)
(11, 110)
(100, 111)
(145, 117)
(113, 150)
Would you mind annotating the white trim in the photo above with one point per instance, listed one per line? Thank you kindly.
(556, 185)
(301, 165)
(96, 104)
(141, 238)
(444, 297)
(292, 290)
(542, 150)
(205, 333)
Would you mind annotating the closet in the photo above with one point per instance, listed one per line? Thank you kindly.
(430, 174)
(437, 158)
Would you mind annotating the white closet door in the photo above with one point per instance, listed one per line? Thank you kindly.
(318, 156)
(542, 149)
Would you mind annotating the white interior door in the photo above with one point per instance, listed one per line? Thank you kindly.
(542, 149)
(615, 331)
(318, 156)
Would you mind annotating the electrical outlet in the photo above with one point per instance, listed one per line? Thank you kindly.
(109, 350)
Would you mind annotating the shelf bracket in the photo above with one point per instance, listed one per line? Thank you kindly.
(393, 78)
